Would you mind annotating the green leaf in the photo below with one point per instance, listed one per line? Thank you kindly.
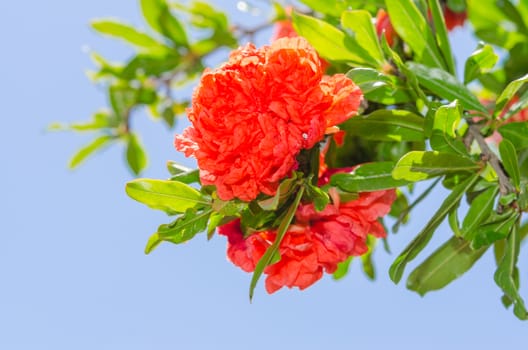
(86, 151)
(186, 226)
(317, 196)
(509, 92)
(380, 88)
(510, 161)
(481, 61)
(387, 125)
(479, 210)
(445, 86)
(420, 241)
(273, 249)
(359, 22)
(283, 192)
(330, 41)
(442, 37)
(412, 27)
(127, 33)
(123, 98)
(152, 243)
(336, 9)
(444, 136)
(135, 153)
(342, 269)
(504, 276)
(515, 133)
(158, 16)
(176, 168)
(422, 165)
(150, 65)
(367, 177)
(447, 263)
(496, 228)
(169, 196)
(366, 259)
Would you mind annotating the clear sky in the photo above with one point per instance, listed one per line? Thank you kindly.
(72, 270)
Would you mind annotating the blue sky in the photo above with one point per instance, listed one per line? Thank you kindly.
(72, 270)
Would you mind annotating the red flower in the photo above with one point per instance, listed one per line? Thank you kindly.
(315, 243)
(252, 116)
(454, 19)
(384, 25)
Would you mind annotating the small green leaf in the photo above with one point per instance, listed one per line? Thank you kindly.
(446, 86)
(342, 269)
(496, 228)
(422, 165)
(444, 137)
(317, 196)
(366, 259)
(169, 196)
(127, 33)
(479, 210)
(152, 243)
(481, 61)
(509, 92)
(176, 168)
(273, 249)
(378, 87)
(367, 177)
(135, 154)
(446, 264)
(186, 226)
(516, 133)
(504, 276)
(510, 161)
(387, 125)
(86, 151)
(359, 22)
(158, 16)
(420, 241)
(412, 27)
(442, 37)
(283, 192)
(330, 41)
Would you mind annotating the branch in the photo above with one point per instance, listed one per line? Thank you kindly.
(505, 185)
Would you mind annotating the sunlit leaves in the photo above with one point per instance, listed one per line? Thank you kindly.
(362, 33)
(420, 241)
(127, 33)
(446, 86)
(368, 177)
(387, 125)
(159, 17)
(420, 165)
(330, 42)
(411, 25)
(481, 61)
(507, 271)
(98, 144)
(169, 196)
(135, 153)
(447, 263)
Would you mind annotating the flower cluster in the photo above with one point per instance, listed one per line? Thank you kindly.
(317, 242)
(252, 116)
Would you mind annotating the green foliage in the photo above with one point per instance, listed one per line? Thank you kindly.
(418, 122)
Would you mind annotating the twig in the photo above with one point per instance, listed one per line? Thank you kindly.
(505, 185)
